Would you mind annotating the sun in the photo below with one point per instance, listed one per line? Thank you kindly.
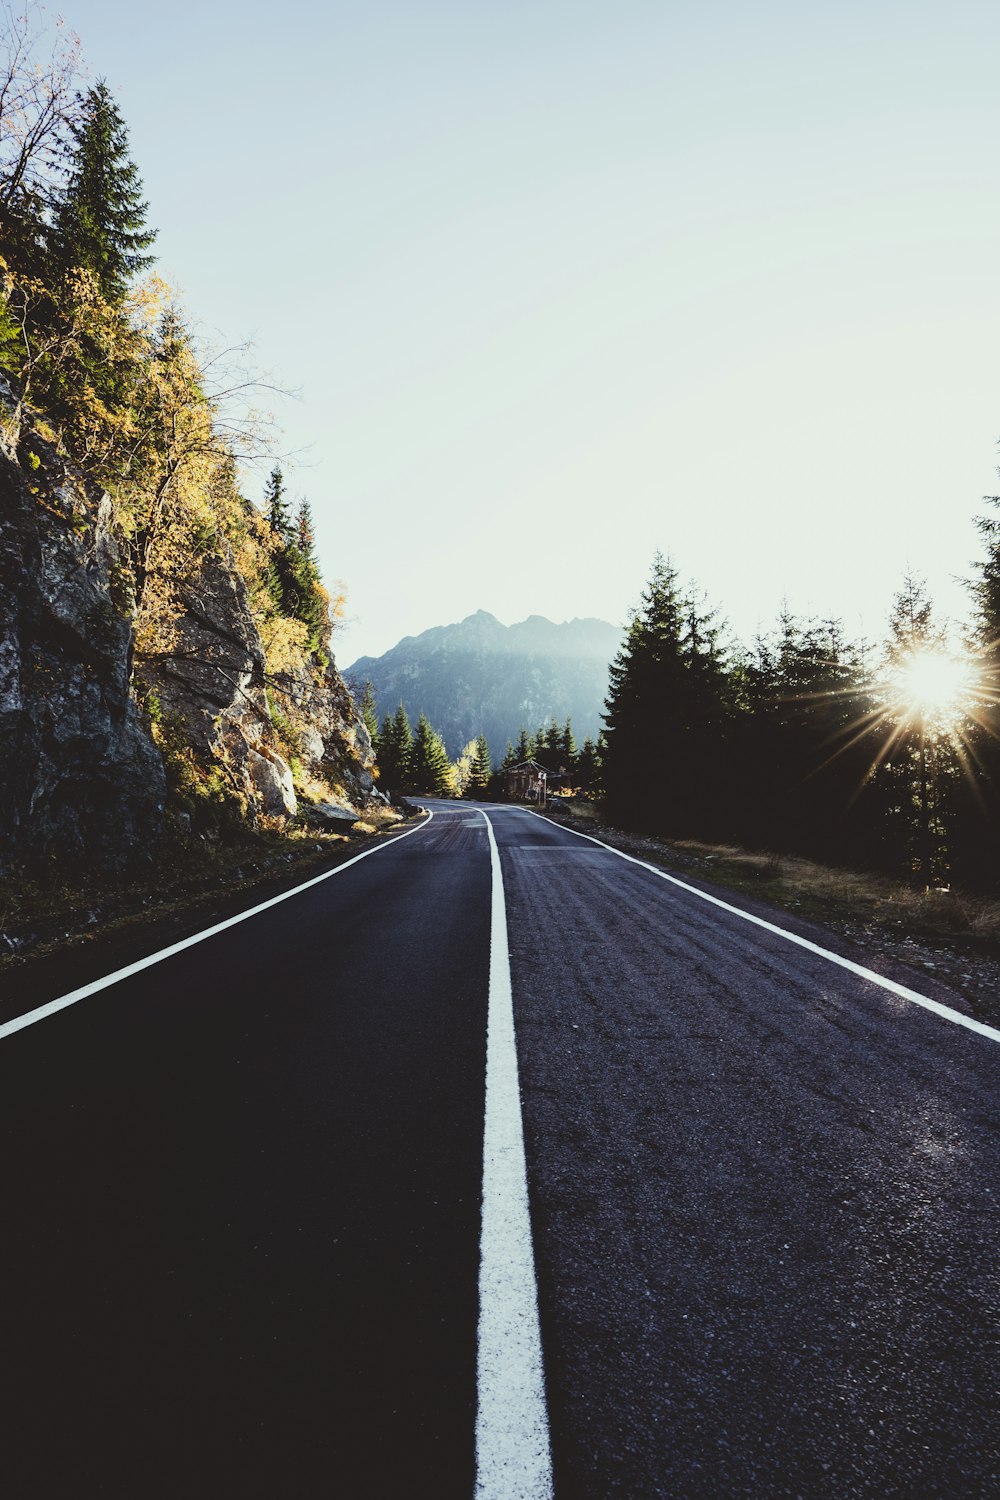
(933, 685)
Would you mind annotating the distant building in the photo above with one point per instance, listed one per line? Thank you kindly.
(526, 782)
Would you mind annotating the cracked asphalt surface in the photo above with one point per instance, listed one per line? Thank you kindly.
(242, 1187)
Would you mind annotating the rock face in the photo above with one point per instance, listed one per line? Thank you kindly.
(210, 690)
(82, 780)
(215, 688)
(334, 743)
(480, 676)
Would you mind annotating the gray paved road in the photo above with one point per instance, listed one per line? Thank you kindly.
(242, 1190)
(764, 1201)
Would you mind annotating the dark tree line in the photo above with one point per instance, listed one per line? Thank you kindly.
(807, 742)
(554, 747)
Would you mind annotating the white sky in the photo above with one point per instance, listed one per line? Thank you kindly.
(561, 283)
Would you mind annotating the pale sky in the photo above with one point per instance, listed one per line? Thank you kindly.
(563, 283)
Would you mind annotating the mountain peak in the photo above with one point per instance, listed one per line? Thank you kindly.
(480, 676)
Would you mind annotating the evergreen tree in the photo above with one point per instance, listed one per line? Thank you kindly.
(480, 769)
(916, 763)
(588, 766)
(429, 768)
(294, 578)
(567, 749)
(525, 747)
(304, 532)
(553, 747)
(806, 744)
(100, 216)
(276, 507)
(976, 796)
(368, 709)
(669, 712)
(395, 741)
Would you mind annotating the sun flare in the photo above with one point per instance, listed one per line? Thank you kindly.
(932, 684)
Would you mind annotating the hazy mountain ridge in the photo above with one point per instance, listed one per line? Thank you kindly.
(480, 676)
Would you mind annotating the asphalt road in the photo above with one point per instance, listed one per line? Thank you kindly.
(241, 1196)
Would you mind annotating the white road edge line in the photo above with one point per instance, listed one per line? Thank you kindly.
(513, 1459)
(52, 1006)
(900, 990)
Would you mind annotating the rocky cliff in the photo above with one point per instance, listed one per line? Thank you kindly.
(98, 752)
(479, 676)
(81, 777)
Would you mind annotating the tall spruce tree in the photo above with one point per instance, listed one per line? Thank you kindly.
(429, 768)
(917, 762)
(305, 534)
(276, 506)
(669, 710)
(294, 578)
(588, 766)
(567, 749)
(976, 796)
(481, 769)
(525, 747)
(99, 222)
(806, 744)
(395, 740)
(368, 709)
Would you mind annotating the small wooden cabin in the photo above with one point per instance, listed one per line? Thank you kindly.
(526, 782)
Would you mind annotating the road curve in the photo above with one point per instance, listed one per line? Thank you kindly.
(242, 1196)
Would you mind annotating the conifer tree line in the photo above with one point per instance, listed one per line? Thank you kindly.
(416, 760)
(404, 767)
(554, 748)
(809, 742)
(95, 347)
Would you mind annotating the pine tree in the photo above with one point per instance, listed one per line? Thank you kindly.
(525, 747)
(644, 682)
(304, 533)
(368, 709)
(588, 766)
(553, 748)
(429, 768)
(481, 768)
(806, 744)
(917, 760)
(100, 216)
(669, 711)
(976, 797)
(567, 749)
(276, 507)
(294, 578)
(395, 741)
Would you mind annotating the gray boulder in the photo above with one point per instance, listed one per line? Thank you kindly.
(272, 779)
(320, 813)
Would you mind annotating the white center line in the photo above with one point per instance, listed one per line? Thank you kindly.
(513, 1460)
(52, 1006)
